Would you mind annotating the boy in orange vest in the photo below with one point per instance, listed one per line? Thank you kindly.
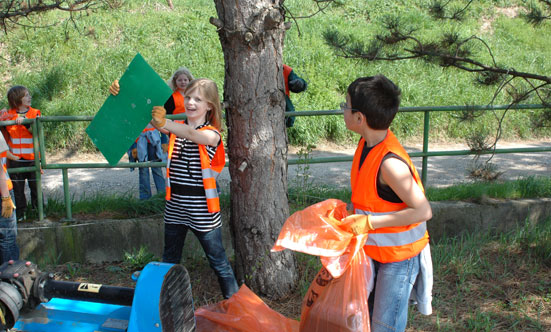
(389, 204)
(20, 140)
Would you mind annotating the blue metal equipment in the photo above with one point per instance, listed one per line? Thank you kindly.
(32, 301)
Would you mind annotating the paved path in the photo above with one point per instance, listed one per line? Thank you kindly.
(442, 171)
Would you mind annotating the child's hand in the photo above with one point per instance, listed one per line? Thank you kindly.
(19, 120)
(115, 88)
(11, 156)
(358, 223)
(158, 116)
(164, 146)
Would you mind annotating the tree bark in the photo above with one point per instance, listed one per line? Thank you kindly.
(251, 33)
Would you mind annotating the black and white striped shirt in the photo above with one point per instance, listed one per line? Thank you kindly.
(188, 203)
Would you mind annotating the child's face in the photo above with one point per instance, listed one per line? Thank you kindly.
(182, 82)
(26, 100)
(350, 120)
(196, 106)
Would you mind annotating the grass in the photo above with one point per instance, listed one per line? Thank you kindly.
(68, 68)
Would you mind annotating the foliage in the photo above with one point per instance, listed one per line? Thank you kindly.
(138, 259)
(68, 67)
(473, 278)
(529, 187)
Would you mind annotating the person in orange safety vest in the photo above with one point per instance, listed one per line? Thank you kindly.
(195, 158)
(389, 201)
(8, 225)
(20, 141)
(178, 82)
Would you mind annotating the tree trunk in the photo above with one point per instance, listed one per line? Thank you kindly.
(251, 33)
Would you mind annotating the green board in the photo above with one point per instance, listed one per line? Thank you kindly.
(121, 118)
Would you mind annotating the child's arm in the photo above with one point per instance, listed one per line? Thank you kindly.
(396, 174)
(202, 137)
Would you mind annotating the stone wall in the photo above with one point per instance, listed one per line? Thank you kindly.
(108, 240)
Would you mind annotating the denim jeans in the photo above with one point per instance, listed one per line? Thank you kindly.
(8, 236)
(175, 235)
(157, 172)
(390, 297)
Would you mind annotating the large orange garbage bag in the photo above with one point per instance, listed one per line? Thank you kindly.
(337, 298)
(243, 312)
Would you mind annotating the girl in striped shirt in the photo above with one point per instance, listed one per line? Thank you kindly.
(195, 158)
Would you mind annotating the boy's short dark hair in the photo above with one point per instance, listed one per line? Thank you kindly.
(376, 97)
(15, 95)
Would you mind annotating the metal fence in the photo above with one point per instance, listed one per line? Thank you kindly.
(41, 162)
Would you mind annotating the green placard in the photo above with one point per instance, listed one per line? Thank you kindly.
(122, 118)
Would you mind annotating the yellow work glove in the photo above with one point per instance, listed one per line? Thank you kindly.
(135, 153)
(7, 207)
(158, 115)
(358, 223)
(164, 146)
(115, 88)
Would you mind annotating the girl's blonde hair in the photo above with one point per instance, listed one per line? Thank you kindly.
(15, 95)
(209, 92)
(177, 73)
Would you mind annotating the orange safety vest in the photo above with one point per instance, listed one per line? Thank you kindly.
(21, 139)
(178, 103)
(387, 244)
(209, 168)
(3, 156)
(286, 72)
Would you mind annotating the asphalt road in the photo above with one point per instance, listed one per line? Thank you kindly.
(442, 171)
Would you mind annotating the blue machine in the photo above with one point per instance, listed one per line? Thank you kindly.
(32, 301)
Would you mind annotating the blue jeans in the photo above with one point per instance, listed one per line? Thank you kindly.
(175, 235)
(390, 297)
(8, 236)
(157, 172)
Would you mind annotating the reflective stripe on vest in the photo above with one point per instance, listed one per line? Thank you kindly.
(22, 140)
(387, 244)
(210, 169)
(22, 151)
(402, 238)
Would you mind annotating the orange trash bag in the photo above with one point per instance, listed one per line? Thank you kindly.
(243, 312)
(337, 298)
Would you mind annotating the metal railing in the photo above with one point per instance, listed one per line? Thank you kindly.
(37, 126)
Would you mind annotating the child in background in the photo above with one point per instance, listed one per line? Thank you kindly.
(389, 204)
(20, 140)
(8, 224)
(293, 83)
(196, 156)
(148, 147)
(178, 82)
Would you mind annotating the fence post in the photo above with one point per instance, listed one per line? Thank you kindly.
(66, 194)
(426, 128)
(38, 168)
